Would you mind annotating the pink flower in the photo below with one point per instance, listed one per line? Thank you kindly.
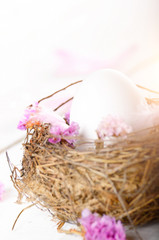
(29, 113)
(1, 190)
(112, 126)
(56, 131)
(60, 128)
(69, 133)
(101, 228)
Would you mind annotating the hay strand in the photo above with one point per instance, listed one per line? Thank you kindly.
(20, 214)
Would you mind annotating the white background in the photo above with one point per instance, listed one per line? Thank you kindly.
(117, 33)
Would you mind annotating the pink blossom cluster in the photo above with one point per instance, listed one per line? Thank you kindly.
(60, 128)
(101, 228)
(68, 133)
(112, 126)
(29, 113)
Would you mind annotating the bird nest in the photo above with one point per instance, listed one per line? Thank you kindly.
(120, 180)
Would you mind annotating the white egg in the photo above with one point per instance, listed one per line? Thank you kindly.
(106, 92)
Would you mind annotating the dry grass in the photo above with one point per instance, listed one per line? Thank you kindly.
(121, 180)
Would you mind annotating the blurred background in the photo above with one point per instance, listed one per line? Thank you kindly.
(45, 45)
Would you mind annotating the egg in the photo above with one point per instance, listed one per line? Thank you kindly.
(106, 92)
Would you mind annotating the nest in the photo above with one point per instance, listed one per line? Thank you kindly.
(120, 180)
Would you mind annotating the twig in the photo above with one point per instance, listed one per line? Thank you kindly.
(21, 213)
(147, 89)
(59, 90)
(63, 104)
(9, 162)
(71, 231)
